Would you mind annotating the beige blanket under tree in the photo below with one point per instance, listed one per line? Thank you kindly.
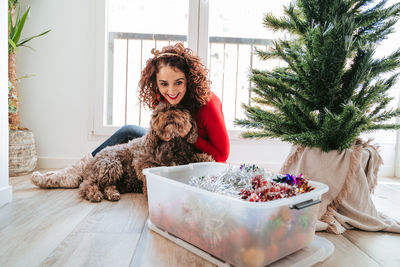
(351, 176)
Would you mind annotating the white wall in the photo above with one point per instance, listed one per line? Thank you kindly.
(56, 101)
(5, 189)
(56, 104)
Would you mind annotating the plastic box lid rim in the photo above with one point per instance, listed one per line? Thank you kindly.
(320, 188)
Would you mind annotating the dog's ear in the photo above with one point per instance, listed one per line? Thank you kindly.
(193, 134)
(151, 138)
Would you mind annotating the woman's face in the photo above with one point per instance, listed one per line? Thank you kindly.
(172, 84)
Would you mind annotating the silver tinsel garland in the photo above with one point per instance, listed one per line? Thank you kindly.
(232, 181)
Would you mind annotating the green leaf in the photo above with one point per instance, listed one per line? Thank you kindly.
(30, 38)
(10, 26)
(19, 26)
(13, 46)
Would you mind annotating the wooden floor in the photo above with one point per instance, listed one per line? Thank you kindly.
(55, 228)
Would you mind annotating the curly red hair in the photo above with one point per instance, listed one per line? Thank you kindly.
(198, 91)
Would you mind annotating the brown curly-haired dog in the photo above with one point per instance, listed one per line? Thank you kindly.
(118, 169)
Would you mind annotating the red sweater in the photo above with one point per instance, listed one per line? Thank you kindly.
(213, 136)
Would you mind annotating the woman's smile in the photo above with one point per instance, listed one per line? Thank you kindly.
(173, 97)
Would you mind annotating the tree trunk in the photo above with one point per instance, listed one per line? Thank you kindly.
(13, 119)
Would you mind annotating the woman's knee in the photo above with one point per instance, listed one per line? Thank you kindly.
(131, 131)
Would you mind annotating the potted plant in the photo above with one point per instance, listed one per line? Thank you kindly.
(22, 151)
(331, 90)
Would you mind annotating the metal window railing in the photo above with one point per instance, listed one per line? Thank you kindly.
(229, 62)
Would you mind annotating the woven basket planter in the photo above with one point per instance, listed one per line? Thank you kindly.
(22, 152)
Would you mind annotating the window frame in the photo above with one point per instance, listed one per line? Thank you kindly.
(197, 37)
(101, 62)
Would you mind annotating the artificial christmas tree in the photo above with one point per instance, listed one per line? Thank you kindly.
(331, 90)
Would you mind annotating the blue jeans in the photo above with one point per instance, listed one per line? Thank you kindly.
(123, 135)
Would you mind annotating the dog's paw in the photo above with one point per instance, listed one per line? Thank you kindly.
(202, 157)
(113, 195)
(95, 196)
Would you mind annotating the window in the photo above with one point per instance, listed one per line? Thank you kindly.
(235, 30)
(389, 141)
(226, 47)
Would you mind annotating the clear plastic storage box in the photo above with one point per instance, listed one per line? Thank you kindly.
(237, 232)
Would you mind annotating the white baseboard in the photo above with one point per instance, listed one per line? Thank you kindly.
(55, 163)
(397, 172)
(387, 171)
(5, 195)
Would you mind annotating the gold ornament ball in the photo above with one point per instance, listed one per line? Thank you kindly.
(253, 256)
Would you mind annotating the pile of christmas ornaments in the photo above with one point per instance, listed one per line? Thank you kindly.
(253, 183)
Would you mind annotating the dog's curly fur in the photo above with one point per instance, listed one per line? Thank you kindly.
(118, 169)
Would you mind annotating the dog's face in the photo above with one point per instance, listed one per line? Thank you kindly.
(170, 121)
